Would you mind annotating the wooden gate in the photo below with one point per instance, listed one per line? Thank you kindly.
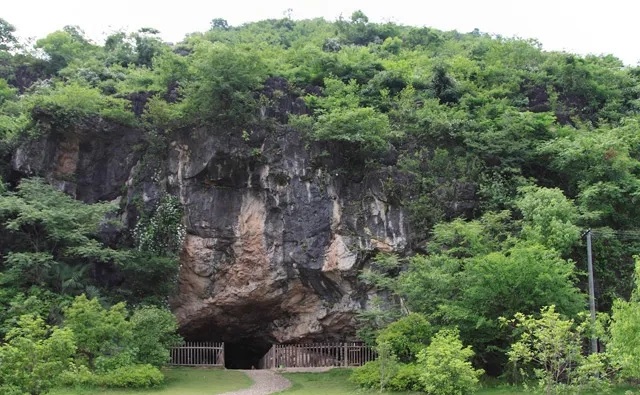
(198, 354)
(316, 355)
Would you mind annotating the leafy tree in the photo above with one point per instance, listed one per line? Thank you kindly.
(64, 46)
(551, 347)
(445, 366)
(33, 356)
(49, 230)
(223, 82)
(624, 344)
(101, 335)
(406, 336)
(548, 218)
(219, 23)
(7, 39)
(163, 232)
(153, 335)
(69, 104)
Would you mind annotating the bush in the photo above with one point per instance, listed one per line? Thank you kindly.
(407, 378)
(407, 336)
(34, 356)
(551, 347)
(445, 366)
(154, 333)
(132, 376)
(624, 346)
(367, 375)
(70, 104)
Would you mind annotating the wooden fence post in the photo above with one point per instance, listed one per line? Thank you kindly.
(345, 352)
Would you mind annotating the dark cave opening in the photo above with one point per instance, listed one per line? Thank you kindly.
(244, 353)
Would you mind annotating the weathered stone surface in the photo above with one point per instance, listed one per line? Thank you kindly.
(92, 162)
(274, 245)
(275, 241)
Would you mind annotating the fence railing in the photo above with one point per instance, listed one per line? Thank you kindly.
(317, 355)
(198, 354)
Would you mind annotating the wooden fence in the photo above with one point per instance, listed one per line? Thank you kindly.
(198, 354)
(317, 355)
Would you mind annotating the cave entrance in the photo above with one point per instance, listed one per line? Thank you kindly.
(244, 353)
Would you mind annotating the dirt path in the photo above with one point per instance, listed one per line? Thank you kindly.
(264, 382)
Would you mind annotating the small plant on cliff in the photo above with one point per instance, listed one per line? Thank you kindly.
(163, 232)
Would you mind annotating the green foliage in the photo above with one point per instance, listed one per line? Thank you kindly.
(470, 122)
(551, 348)
(406, 336)
(624, 344)
(72, 103)
(548, 218)
(129, 376)
(465, 284)
(99, 332)
(524, 279)
(7, 38)
(33, 356)
(363, 127)
(445, 366)
(406, 377)
(162, 233)
(51, 234)
(64, 46)
(387, 364)
(154, 333)
(96, 346)
(223, 82)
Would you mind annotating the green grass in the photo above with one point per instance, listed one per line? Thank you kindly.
(180, 381)
(336, 382)
(333, 382)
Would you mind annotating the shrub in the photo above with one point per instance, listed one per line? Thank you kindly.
(407, 378)
(551, 347)
(132, 376)
(445, 366)
(34, 356)
(69, 104)
(624, 346)
(154, 332)
(367, 375)
(407, 336)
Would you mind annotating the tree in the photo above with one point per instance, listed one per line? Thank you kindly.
(445, 366)
(219, 23)
(47, 230)
(33, 356)
(7, 39)
(407, 336)
(103, 336)
(548, 217)
(624, 344)
(223, 81)
(551, 347)
(154, 333)
(64, 46)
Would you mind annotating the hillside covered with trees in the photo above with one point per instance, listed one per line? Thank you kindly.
(502, 155)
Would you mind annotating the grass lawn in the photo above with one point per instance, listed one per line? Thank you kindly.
(335, 382)
(180, 381)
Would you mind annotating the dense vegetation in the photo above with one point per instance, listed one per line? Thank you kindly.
(507, 152)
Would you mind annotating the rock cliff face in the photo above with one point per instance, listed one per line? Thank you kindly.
(275, 241)
(274, 245)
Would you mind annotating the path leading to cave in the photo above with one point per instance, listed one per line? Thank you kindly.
(264, 382)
